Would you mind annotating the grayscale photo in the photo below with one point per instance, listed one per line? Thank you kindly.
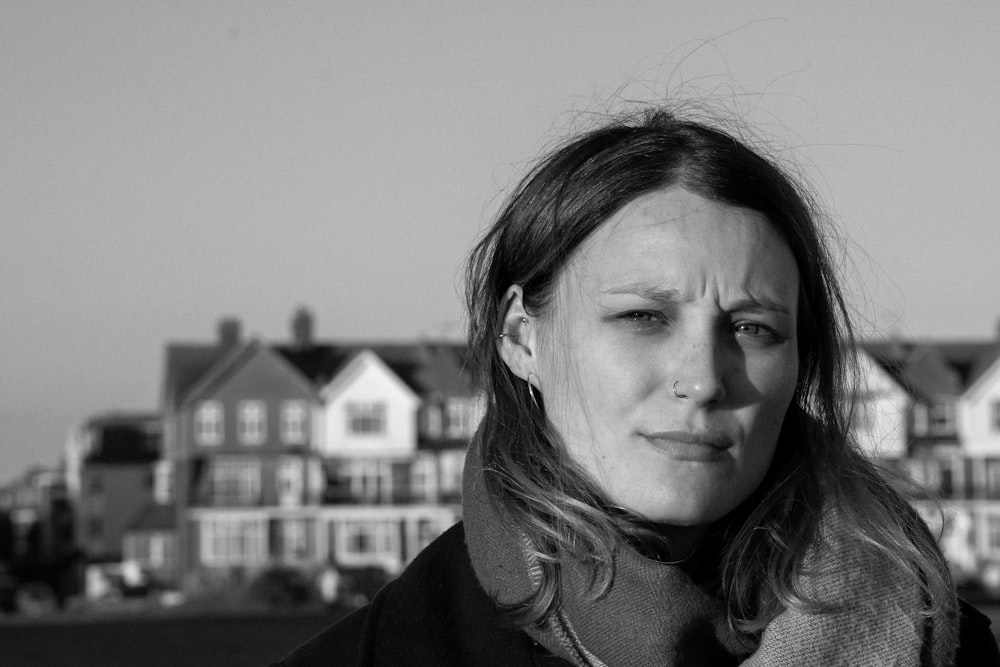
(496, 335)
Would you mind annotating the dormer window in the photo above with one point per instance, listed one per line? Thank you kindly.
(208, 429)
(366, 418)
(251, 424)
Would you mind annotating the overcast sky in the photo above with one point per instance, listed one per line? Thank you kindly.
(166, 164)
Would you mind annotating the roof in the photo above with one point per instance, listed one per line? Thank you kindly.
(430, 368)
(931, 369)
(184, 365)
(124, 438)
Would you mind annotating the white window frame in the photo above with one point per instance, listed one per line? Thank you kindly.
(236, 481)
(233, 541)
(294, 418)
(295, 539)
(367, 418)
(251, 422)
(209, 423)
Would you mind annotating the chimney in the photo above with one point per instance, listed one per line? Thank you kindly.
(302, 329)
(229, 332)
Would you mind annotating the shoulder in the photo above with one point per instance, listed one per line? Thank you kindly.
(435, 613)
(976, 643)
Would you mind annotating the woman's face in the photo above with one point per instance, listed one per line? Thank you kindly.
(669, 355)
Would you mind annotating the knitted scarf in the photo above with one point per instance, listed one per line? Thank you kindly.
(655, 614)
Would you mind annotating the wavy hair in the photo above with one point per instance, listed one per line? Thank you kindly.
(566, 196)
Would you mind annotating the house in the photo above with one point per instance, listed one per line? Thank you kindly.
(307, 454)
(947, 402)
(110, 463)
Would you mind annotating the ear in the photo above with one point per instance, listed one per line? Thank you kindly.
(518, 337)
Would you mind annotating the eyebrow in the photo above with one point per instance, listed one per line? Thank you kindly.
(672, 296)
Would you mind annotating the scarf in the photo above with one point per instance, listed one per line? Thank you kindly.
(655, 614)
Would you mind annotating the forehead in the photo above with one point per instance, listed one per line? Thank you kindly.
(676, 239)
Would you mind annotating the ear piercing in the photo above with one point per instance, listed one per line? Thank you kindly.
(524, 320)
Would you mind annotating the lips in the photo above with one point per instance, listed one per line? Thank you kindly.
(689, 445)
(711, 439)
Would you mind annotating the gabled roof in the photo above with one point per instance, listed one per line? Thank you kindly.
(350, 371)
(185, 364)
(934, 369)
(429, 369)
(233, 363)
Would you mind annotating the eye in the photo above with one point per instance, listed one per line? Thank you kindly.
(749, 328)
(641, 316)
(757, 332)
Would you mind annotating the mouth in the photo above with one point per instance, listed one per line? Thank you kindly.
(690, 445)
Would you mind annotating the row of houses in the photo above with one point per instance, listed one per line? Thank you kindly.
(313, 454)
(303, 453)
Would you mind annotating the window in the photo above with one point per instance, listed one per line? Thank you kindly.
(290, 481)
(232, 541)
(365, 479)
(235, 482)
(462, 416)
(995, 416)
(993, 532)
(163, 481)
(992, 478)
(293, 422)
(368, 538)
(251, 426)
(366, 418)
(432, 421)
(942, 418)
(208, 428)
(422, 479)
(456, 414)
(294, 540)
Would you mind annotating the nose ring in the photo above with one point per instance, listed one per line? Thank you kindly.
(676, 393)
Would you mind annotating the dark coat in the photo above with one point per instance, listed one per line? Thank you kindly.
(436, 613)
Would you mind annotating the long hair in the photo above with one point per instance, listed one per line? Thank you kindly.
(554, 502)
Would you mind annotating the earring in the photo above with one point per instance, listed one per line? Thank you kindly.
(531, 390)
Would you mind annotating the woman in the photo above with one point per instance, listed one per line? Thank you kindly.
(663, 475)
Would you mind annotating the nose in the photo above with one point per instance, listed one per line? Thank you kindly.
(699, 376)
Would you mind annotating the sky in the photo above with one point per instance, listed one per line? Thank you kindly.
(164, 165)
